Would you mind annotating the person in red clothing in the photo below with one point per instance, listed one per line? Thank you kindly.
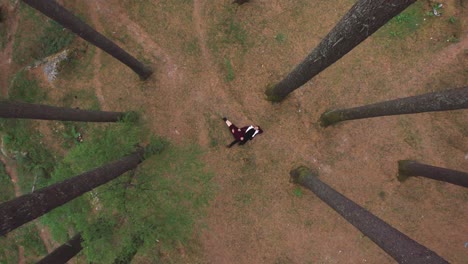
(243, 134)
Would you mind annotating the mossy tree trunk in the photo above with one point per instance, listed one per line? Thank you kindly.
(64, 17)
(23, 209)
(10, 109)
(65, 252)
(452, 99)
(410, 168)
(361, 21)
(399, 246)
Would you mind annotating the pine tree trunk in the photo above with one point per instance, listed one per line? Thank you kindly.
(23, 209)
(409, 168)
(65, 252)
(64, 17)
(399, 246)
(452, 99)
(10, 109)
(361, 21)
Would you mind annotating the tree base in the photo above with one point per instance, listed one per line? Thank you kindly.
(301, 174)
(272, 96)
(330, 118)
(403, 173)
(146, 73)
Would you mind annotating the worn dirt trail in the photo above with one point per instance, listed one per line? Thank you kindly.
(441, 60)
(215, 99)
(12, 19)
(97, 59)
(211, 74)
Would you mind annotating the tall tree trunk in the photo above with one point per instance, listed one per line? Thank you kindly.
(23, 209)
(409, 168)
(452, 99)
(361, 21)
(64, 17)
(399, 246)
(65, 252)
(10, 109)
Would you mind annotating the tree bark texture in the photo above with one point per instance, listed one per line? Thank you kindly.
(452, 99)
(408, 168)
(361, 21)
(399, 246)
(64, 17)
(23, 209)
(65, 252)
(10, 109)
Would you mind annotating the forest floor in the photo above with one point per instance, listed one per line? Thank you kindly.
(214, 59)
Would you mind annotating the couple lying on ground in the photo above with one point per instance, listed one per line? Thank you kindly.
(243, 134)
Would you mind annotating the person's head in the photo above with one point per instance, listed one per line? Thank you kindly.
(259, 129)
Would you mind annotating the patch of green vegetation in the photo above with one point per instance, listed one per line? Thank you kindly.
(229, 70)
(411, 134)
(157, 203)
(234, 32)
(308, 223)
(26, 236)
(7, 191)
(86, 98)
(24, 143)
(78, 64)
(228, 34)
(243, 199)
(452, 20)
(9, 251)
(54, 39)
(25, 89)
(406, 23)
(215, 132)
(453, 39)
(382, 194)
(192, 47)
(71, 133)
(37, 36)
(298, 192)
(280, 37)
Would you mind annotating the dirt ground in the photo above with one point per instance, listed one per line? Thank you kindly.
(258, 216)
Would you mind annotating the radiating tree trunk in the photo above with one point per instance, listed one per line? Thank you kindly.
(452, 99)
(361, 21)
(399, 246)
(64, 17)
(10, 109)
(240, 2)
(65, 252)
(409, 168)
(23, 209)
